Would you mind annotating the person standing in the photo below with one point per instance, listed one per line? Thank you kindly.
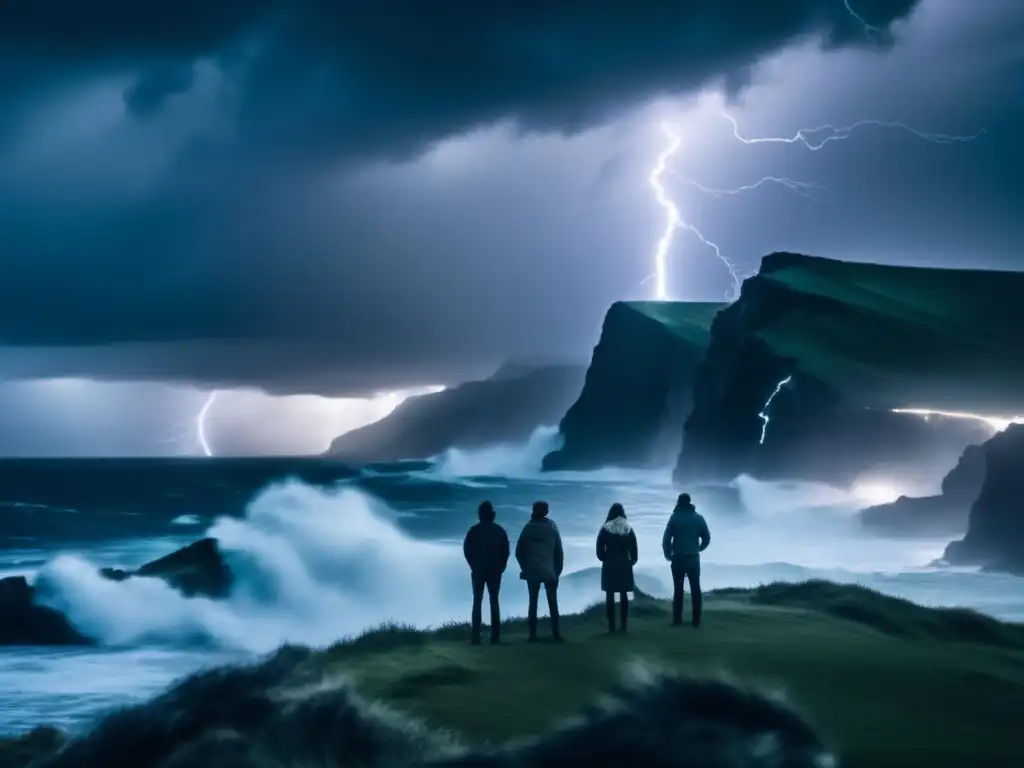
(541, 558)
(686, 536)
(486, 549)
(617, 551)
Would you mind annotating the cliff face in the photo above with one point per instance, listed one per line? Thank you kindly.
(942, 515)
(995, 530)
(855, 340)
(507, 407)
(637, 390)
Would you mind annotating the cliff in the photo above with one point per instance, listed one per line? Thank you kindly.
(995, 529)
(636, 395)
(943, 515)
(506, 407)
(853, 341)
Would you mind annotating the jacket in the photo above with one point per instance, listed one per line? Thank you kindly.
(686, 534)
(486, 549)
(617, 551)
(539, 551)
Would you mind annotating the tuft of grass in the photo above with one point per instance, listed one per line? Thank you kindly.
(890, 615)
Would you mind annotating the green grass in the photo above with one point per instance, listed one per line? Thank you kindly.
(888, 682)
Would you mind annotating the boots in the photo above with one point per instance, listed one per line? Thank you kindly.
(610, 610)
(624, 610)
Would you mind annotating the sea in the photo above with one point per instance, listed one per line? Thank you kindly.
(315, 565)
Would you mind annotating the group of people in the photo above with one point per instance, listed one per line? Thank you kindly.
(541, 558)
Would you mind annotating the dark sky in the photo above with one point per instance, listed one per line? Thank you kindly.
(317, 196)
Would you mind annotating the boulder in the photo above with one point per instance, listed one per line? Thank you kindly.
(22, 622)
(852, 341)
(196, 570)
(636, 396)
(995, 529)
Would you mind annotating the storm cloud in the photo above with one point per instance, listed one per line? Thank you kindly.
(342, 197)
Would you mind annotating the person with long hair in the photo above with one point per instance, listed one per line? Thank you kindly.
(618, 553)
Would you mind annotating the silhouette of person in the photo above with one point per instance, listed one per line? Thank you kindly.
(617, 551)
(541, 558)
(686, 536)
(486, 549)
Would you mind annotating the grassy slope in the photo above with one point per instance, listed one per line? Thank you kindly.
(690, 320)
(889, 682)
(910, 322)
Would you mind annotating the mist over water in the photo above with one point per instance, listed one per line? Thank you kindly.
(314, 565)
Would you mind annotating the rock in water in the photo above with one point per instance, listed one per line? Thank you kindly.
(857, 340)
(995, 531)
(636, 396)
(22, 622)
(198, 569)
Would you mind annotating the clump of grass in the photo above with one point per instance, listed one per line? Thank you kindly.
(890, 615)
(25, 749)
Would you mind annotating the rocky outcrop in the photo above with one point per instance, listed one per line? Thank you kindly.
(196, 570)
(22, 622)
(505, 408)
(852, 341)
(995, 529)
(943, 515)
(636, 396)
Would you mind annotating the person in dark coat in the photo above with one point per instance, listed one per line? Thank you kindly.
(486, 549)
(541, 559)
(617, 551)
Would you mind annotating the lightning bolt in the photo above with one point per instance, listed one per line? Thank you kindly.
(674, 221)
(867, 27)
(201, 423)
(813, 139)
(802, 188)
(672, 211)
(763, 415)
(838, 133)
(998, 423)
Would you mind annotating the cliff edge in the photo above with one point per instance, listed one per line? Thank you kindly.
(844, 344)
(995, 529)
(636, 395)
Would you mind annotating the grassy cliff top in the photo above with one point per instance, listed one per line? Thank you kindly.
(888, 682)
(691, 320)
(930, 337)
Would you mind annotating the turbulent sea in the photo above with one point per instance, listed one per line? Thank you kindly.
(316, 565)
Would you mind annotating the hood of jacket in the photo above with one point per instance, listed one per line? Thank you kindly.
(619, 526)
